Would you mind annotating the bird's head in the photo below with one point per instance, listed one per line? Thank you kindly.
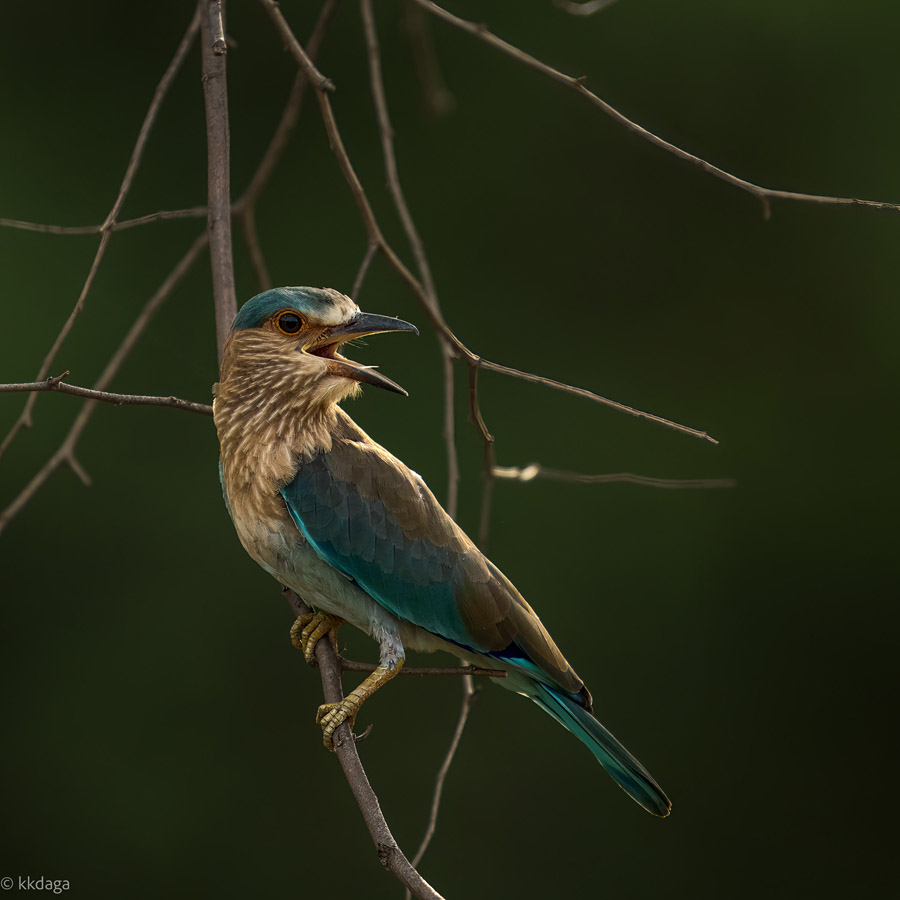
(292, 337)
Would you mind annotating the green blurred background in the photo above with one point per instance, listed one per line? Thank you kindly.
(158, 726)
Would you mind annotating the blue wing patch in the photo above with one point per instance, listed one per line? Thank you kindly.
(413, 578)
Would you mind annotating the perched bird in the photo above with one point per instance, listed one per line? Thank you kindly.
(358, 535)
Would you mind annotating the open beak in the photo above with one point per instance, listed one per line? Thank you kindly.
(328, 344)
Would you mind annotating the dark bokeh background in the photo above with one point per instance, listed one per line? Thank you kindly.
(158, 734)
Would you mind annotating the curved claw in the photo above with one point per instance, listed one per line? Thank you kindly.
(332, 715)
(310, 628)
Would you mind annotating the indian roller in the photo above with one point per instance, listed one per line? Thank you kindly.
(358, 535)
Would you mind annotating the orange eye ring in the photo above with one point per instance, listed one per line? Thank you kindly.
(289, 322)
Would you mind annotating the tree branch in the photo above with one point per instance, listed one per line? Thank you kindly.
(319, 81)
(489, 366)
(577, 84)
(438, 99)
(389, 853)
(57, 384)
(386, 132)
(165, 215)
(584, 8)
(245, 207)
(66, 451)
(530, 472)
(468, 700)
(349, 665)
(218, 141)
(162, 88)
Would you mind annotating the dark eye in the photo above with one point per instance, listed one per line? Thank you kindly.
(290, 323)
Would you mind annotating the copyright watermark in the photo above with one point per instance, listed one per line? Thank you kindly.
(30, 883)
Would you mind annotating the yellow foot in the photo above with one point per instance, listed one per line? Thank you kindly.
(331, 715)
(309, 629)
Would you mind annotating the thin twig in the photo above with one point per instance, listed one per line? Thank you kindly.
(371, 250)
(386, 131)
(318, 80)
(66, 451)
(534, 470)
(254, 248)
(590, 395)
(468, 699)
(57, 384)
(162, 88)
(349, 665)
(389, 853)
(215, 94)
(165, 215)
(245, 206)
(487, 440)
(586, 8)
(438, 99)
(577, 84)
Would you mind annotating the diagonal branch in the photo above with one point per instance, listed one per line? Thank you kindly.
(245, 207)
(577, 84)
(438, 98)
(386, 132)
(389, 853)
(590, 395)
(24, 419)
(66, 451)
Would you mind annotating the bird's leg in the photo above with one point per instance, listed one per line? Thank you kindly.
(310, 628)
(331, 715)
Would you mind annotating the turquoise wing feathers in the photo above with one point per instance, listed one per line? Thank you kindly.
(381, 527)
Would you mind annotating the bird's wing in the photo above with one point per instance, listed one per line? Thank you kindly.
(372, 518)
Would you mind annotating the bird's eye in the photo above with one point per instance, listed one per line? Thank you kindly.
(289, 323)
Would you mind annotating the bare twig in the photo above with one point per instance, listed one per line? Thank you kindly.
(386, 132)
(590, 395)
(162, 88)
(349, 665)
(318, 80)
(438, 99)
(389, 853)
(534, 470)
(369, 255)
(215, 93)
(468, 699)
(245, 207)
(254, 248)
(586, 8)
(66, 451)
(57, 384)
(165, 215)
(577, 84)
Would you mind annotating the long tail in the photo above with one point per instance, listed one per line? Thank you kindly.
(625, 770)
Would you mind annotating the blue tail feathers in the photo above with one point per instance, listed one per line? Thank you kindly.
(625, 770)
